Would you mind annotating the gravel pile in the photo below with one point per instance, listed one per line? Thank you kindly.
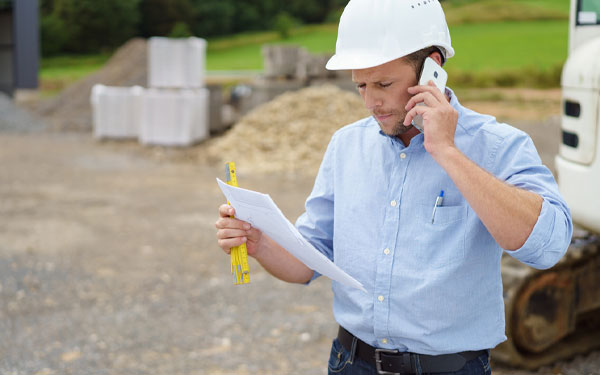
(289, 133)
(71, 109)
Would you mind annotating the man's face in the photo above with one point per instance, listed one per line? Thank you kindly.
(384, 91)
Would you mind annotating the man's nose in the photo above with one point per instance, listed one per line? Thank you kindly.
(371, 99)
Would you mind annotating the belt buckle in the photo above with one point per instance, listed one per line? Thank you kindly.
(378, 360)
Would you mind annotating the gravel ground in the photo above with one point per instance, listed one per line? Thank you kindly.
(108, 265)
(15, 119)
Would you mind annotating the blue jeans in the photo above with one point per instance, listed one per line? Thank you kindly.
(342, 362)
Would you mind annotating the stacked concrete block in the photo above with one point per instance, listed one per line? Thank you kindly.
(176, 62)
(293, 62)
(173, 111)
(280, 60)
(312, 66)
(116, 111)
(174, 117)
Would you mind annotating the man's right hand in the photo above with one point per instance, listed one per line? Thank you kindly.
(232, 232)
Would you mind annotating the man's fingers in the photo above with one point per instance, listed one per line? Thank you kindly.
(226, 210)
(231, 223)
(430, 87)
(227, 244)
(231, 233)
(417, 110)
(424, 97)
(254, 234)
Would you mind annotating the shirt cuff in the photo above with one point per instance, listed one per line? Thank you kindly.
(533, 249)
(315, 275)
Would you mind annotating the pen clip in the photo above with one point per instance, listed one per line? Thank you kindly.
(438, 202)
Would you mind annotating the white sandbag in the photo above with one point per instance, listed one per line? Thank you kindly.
(176, 62)
(116, 111)
(174, 117)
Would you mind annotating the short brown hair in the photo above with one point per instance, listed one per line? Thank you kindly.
(417, 59)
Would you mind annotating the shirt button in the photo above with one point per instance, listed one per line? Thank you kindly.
(384, 341)
(403, 156)
(380, 298)
(386, 251)
(393, 203)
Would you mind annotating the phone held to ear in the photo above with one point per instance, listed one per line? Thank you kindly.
(431, 72)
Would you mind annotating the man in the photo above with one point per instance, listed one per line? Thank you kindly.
(434, 302)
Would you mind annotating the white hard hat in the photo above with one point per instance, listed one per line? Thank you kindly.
(373, 32)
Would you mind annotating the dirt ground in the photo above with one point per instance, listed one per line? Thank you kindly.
(109, 265)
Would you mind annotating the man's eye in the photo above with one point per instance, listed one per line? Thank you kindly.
(360, 86)
(385, 84)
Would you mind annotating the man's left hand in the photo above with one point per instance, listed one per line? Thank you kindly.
(439, 117)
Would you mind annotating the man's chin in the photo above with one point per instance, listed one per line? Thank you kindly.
(396, 130)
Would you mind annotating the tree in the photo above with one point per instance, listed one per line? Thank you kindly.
(160, 16)
(54, 35)
(213, 17)
(94, 25)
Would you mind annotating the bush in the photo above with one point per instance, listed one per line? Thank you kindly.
(334, 16)
(284, 23)
(54, 35)
(180, 30)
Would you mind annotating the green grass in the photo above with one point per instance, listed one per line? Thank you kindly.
(509, 45)
(71, 66)
(562, 6)
(508, 54)
(502, 10)
(490, 50)
(487, 54)
(243, 51)
(58, 72)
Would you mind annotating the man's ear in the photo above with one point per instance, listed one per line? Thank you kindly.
(437, 57)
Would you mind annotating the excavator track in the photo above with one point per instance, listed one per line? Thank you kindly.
(552, 314)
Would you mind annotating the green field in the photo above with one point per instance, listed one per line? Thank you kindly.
(243, 52)
(497, 43)
(478, 46)
(71, 66)
(507, 53)
(509, 45)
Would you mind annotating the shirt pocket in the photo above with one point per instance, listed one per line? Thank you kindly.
(441, 242)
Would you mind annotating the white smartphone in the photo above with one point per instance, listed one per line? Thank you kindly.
(431, 72)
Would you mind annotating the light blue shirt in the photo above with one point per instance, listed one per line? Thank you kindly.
(432, 288)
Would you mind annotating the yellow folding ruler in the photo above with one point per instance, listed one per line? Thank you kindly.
(239, 254)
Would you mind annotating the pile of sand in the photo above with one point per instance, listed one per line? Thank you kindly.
(289, 133)
(71, 109)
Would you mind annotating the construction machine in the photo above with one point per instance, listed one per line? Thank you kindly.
(555, 314)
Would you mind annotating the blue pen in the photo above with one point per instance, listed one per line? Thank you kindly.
(438, 202)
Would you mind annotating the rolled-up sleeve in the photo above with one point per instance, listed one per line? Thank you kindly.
(548, 240)
(316, 223)
(517, 162)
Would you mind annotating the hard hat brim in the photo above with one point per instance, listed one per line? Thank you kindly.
(349, 62)
(364, 60)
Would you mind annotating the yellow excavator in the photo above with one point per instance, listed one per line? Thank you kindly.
(555, 314)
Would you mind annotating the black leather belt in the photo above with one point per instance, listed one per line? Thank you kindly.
(395, 362)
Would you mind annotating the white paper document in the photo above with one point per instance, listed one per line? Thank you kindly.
(262, 213)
